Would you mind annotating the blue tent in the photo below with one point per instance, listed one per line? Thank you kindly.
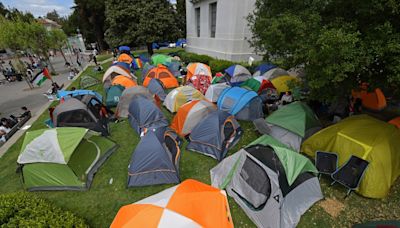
(122, 64)
(124, 48)
(153, 162)
(242, 103)
(77, 93)
(263, 68)
(237, 74)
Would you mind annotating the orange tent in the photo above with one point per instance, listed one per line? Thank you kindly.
(125, 58)
(123, 81)
(395, 122)
(190, 114)
(198, 68)
(189, 204)
(162, 73)
(372, 100)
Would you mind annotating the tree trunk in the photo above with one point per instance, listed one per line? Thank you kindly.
(62, 53)
(150, 48)
(52, 70)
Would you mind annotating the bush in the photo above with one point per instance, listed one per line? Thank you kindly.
(188, 57)
(26, 210)
(218, 65)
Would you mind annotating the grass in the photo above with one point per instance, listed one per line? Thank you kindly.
(100, 204)
(103, 57)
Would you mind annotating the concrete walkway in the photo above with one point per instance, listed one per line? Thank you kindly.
(14, 95)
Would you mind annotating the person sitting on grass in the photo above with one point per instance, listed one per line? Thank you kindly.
(287, 98)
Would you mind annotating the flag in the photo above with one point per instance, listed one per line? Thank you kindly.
(41, 77)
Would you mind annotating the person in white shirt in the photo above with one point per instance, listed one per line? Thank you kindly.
(287, 98)
(3, 131)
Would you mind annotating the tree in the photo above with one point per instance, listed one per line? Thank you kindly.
(181, 17)
(91, 20)
(340, 43)
(58, 40)
(71, 23)
(140, 22)
(54, 16)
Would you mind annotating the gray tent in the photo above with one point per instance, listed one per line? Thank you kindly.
(146, 68)
(156, 87)
(144, 114)
(214, 91)
(126, 97)
(153, 162)
(215, 134)
(272, 184)
(81, 113)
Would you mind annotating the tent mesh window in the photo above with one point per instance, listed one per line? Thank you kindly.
(256, 177)
(151, 75)
(228, 102)
(228, 130)
(173, 149)
(95, 107)
(163, 75)
(75, 116)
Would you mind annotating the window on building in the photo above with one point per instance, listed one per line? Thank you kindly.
(197, 14)
(213, 18)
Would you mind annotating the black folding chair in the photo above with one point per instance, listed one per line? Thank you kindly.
(326, 162)
(350, 174)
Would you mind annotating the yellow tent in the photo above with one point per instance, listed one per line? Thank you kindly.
(281, 83)
(373, 140)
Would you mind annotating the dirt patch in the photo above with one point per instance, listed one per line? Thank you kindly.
(332, 206)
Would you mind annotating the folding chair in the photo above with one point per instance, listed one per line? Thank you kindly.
(326, 162)
(350, 174)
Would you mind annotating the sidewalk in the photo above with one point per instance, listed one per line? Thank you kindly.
(37, 102)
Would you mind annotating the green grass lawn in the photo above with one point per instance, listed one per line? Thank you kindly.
(100, 204)
(103, 57)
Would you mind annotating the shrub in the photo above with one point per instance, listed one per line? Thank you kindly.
(188, 57)
(218, 65)
(26, 210)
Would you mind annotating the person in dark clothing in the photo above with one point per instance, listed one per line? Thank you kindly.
(25, 112)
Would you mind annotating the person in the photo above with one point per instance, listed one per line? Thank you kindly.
(71, 74)
(25, 112)
(3, 131)
(357, 106)
(95, 53)
(8, 123)
(287, 98)
(73, 88)
(55, 87)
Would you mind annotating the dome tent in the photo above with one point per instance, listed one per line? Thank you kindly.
(64, 158)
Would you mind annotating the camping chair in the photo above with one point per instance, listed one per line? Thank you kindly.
(326, 162)
(350, 174)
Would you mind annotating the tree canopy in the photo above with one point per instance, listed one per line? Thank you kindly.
(140, 22)
(339, 43)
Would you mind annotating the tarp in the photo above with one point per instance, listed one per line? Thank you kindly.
(368, 138)
(65, 93)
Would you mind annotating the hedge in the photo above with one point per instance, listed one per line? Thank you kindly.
(26, 210)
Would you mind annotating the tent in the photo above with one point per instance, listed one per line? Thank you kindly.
(281, 83)
(257, 86)
(64, 158)
(271, 183)
(113, 94)
(242, 103)
(237, 74)
(189, 204)
(368, 138)
(220, 78)
(156, 87)
(153, 162)
(215, 90)
(125, 58)
(123, 81)
(126, 97)
(274, 73)
(215, 134)
(114, 71)
(87, 81)
(144, 114)
(124, 48)
(198, 69)
(181, 95)
(190, 114)
(374, 100)
(124, 65)
(263, 68)
(146, 68)
(175, 68)
(200, 82)
(291, 124)
(162, 73)
(157, 59)
(81, 113)
(78, 94)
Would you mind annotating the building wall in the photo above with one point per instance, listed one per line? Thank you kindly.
(231, 29)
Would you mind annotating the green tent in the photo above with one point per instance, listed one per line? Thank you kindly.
(290, 124)
(87, 81)
(293, 163)
(251, 84)
(62, 158)
(160, 59)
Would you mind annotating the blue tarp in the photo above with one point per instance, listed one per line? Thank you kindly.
(65, 94)
(234, 99)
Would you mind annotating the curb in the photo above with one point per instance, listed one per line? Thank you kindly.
(4, 148)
